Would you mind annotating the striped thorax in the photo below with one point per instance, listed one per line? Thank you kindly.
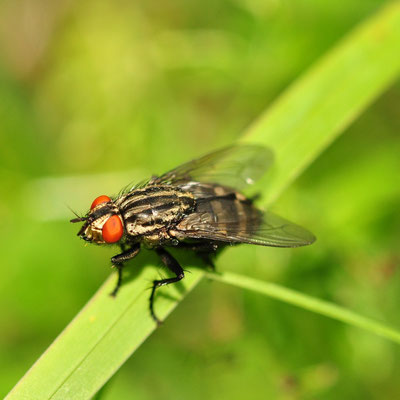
(148, 213)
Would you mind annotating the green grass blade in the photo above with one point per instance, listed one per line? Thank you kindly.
(298, 127)
(307, 303)
(100, 338)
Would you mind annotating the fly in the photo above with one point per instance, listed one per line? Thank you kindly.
(198, 205)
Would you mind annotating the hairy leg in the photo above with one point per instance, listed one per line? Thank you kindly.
(118, 262)
(174, 267)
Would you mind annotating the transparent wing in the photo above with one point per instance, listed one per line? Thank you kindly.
(274, 231)
(234, 166)
(247, 226)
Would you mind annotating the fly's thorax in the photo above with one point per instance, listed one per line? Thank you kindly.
(154, 209)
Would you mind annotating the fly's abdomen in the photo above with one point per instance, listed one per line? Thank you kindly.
(147, 211)
(222, 212)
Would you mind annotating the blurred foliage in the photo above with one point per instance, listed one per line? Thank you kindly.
(95, 92)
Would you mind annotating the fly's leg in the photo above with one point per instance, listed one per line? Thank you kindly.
(202, 247)
(174, 267)
(204, 250)
(206, 257)
(118, 262)
(119, 281)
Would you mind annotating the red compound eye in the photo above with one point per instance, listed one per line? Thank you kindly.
(112, 229)
(98, 200)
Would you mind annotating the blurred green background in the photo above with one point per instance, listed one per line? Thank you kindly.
(95, 94)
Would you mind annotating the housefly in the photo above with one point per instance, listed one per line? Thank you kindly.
(198, 205)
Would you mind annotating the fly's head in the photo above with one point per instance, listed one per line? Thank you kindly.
(103, 223)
